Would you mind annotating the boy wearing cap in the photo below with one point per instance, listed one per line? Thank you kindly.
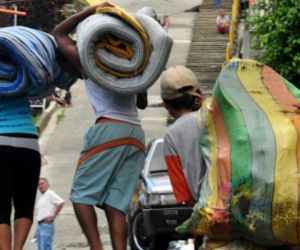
(181, 95)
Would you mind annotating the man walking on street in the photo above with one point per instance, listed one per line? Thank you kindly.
(47, 209)
(113, 153)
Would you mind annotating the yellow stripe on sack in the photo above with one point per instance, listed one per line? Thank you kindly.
(285, 196)
(213, 175)
(132, 22)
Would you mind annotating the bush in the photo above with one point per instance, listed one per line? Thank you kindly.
(276, 26)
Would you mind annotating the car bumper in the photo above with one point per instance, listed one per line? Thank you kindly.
(164, 220)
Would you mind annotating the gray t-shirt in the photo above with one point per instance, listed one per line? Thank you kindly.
(182, 140)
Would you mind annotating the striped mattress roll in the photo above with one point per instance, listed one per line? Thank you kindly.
(31, 53)
(28, 62)
(121, 53)
(250, 139)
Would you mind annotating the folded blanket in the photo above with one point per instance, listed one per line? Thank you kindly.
(28, 62)
(250, 139)
(122, 53)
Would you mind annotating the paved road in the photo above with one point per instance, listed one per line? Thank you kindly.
(62, 139)
(163, 7)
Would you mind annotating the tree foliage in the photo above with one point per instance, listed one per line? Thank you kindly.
(41, 14)
(276, 26)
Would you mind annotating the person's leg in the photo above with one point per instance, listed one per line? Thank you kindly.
(5, 237)
(24, 192)
(221, 29)
(6, 183)
(68, 98)
(117, 227)
(45, 233)
(120, 195)
(226, 29)
(217, 4)
(21, 229)
(87, 219)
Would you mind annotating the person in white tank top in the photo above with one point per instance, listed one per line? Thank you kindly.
(115, 115)
(110, 105)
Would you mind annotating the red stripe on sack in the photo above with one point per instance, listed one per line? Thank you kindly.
(223, 158)
(277, 88)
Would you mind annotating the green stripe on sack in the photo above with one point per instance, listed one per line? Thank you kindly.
(240, 152)
(292, 89)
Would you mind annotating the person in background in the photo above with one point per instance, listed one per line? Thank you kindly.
(56, 96)
(222, 22)
(19, 170)
(48, 207)
(68, 97)
(166, 23)
(113, 154)
(217, 4)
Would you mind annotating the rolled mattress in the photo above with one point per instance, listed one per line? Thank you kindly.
(28, 62)
(121, 53)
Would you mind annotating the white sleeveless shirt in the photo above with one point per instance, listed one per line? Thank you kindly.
(111, 105)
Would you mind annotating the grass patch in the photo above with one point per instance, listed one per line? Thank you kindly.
(59, 117)
(35, 118)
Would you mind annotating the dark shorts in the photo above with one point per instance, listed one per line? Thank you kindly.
(19, 174)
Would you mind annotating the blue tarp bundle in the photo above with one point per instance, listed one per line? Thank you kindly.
(28, 63)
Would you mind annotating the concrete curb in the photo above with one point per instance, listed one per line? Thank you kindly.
(45, 117)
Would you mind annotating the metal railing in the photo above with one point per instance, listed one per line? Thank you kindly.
(233, 29)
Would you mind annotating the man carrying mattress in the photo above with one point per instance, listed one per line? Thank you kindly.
(113, 152)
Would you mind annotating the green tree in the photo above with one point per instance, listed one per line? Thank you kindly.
(276, 26)
(45, 14)
(41, 14)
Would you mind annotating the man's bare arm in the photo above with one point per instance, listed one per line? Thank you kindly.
(66, 46)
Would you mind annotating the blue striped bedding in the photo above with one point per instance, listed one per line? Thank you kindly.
(28, 63)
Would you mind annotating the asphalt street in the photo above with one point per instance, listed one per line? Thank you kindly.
(61, 142)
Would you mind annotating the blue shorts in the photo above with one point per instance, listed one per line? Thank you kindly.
(109, 165)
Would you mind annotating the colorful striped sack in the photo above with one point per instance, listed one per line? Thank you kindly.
(250, 138)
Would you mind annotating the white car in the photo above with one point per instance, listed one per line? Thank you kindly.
(154, 213)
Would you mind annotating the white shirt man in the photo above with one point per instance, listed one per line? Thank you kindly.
(47, 209)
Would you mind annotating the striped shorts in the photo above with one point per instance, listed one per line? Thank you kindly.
(109, 165)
